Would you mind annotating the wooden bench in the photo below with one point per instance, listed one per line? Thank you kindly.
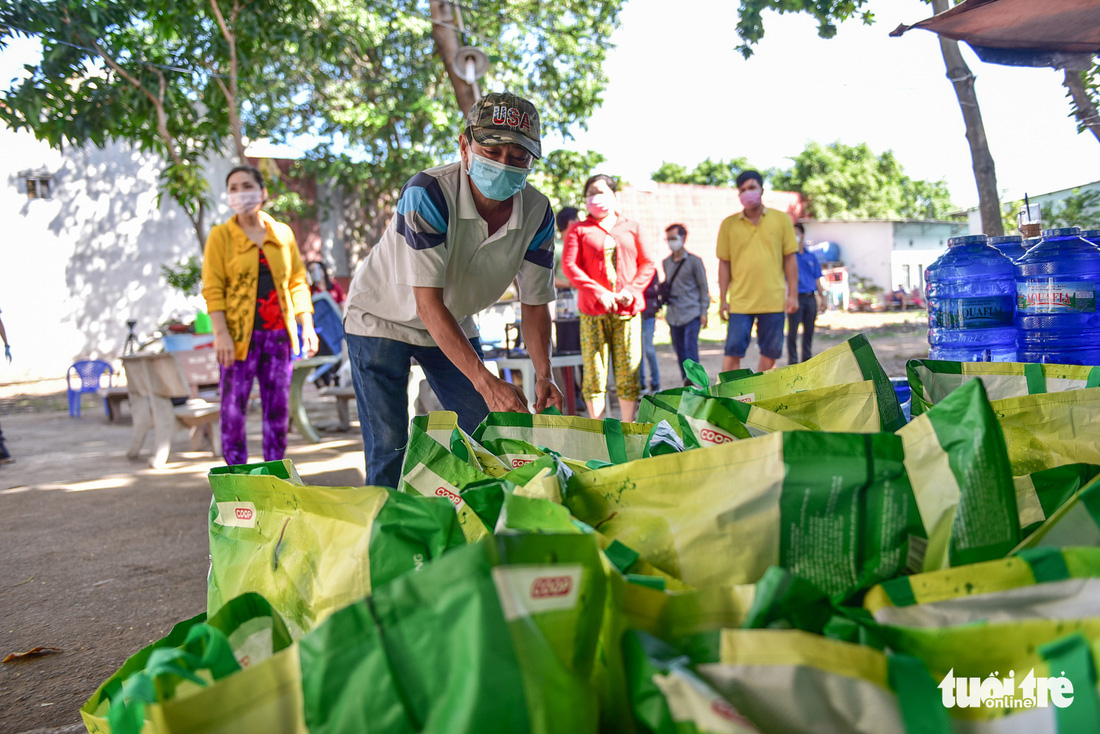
(344, 395)
(114, 397)
(153, 380)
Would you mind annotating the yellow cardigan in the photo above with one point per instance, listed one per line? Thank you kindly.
(230, 274)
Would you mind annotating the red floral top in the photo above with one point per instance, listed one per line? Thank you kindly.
(269, 316)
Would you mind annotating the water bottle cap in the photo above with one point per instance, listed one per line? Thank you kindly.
(970, 239)
(1062, 232)
(1008, 239)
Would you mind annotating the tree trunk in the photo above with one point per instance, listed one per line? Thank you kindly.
(985, 174)
(1083, 108)
(447, 44)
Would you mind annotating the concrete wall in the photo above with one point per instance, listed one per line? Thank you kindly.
(700, 209)
(865, 246)
(76, 266)
(916, 246)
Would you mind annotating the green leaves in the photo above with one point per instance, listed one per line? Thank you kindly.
(707, 173)
(851, 182)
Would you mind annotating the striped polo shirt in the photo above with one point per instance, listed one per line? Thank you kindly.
(436, 239)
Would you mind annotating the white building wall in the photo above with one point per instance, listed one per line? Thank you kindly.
(916, 246)
(76, 266)
(865, 246)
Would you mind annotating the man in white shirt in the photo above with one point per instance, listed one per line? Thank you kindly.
(459, 237)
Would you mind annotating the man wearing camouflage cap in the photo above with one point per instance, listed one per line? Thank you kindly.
(459, 237)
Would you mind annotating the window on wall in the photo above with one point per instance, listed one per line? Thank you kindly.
(39, 187)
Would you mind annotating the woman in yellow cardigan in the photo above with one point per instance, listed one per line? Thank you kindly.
(255, 288)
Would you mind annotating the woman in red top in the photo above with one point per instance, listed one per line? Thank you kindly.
(321, 283)
(609, 263)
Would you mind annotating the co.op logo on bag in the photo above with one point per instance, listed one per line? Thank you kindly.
(520, 462)
(243, 513)
(454, 498)
(548, 587)
(714, 436)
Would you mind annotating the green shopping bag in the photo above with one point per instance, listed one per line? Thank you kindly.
(442, 426)
(1045, 583)
(957, 463)
(1074, 523)
(792, 681)
(932, 380)
(499, 636)
(836, 509)
(668, 696)
(852, 361)
(310, 550)
(237, 671)
(432, 469)
(581, 439)
(849, 408)
(683, 406)
(1050, 429)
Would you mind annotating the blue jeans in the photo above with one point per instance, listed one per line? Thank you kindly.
(380, 374)
(649, 356)
(685, 340)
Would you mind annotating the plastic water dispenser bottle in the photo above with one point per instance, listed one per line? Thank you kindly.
(971, 301)
(1057, 283)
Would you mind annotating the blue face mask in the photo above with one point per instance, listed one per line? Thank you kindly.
(496, 180)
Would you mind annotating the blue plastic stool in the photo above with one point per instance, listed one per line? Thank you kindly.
(89, 373)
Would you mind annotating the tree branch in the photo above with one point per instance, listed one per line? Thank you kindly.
(1083, 108)
(230, 92)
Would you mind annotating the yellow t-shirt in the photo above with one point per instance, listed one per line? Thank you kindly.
(755, 254)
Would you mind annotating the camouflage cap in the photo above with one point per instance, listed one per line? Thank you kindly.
(501, 118)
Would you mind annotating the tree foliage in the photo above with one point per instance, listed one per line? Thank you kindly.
(850, 182)
(561, 174)
(706, 173)
(1079, 209)
(360, 85)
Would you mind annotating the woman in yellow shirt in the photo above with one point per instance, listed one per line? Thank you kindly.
(255, 288)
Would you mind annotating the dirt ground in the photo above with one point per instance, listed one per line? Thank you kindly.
(102, 555)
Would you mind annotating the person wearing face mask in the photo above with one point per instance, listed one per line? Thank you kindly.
(460, 235)
(757, 275)
(255, 288)
(321, 283)
(687, 295)
(810, 288)
(610, 264)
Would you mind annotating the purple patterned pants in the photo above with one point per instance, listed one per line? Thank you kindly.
(268, 361)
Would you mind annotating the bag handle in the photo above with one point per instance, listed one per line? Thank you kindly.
(919, 700)
(616, 441)
(1036, 380)
(206, 648)
(1070, 657)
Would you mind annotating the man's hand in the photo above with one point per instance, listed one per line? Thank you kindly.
(703, 321)
(503, 397)
(624, 297)
(723, 311)
(547, 394)
(607, 300)
(792, 304)
(223, 347)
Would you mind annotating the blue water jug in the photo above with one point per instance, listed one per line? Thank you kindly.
(1092, 235)
(971, 299)
(1057, 283)
(1011, 246)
